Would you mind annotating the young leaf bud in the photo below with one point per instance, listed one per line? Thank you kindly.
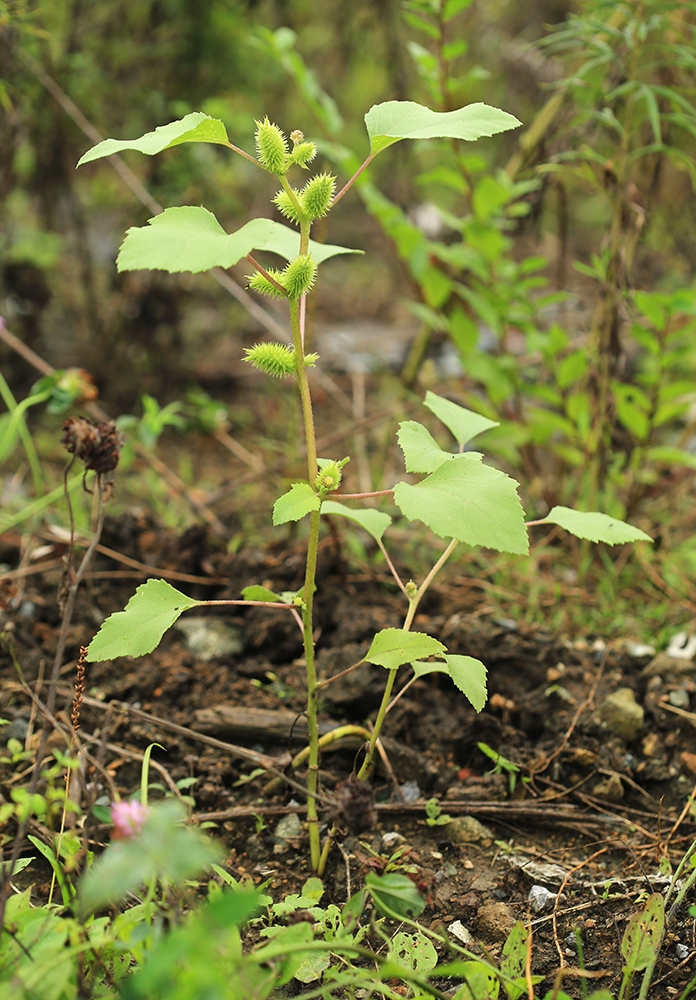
(258, 282)
(298, 276)
(317, 194)
(286, 205)
(271, 147)
(328, 478)
(273, 359)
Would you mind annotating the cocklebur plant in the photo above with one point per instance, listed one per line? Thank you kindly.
(461, 499)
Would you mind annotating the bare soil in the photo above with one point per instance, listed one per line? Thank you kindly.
(590, 816)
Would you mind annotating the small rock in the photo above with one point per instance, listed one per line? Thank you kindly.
(638, 650)
(679, 698)
(392, 839)
(288, 833)
(664, 664)
(210, 638)
(540, 899)
(682, 951)
(466, 830)
(458, 930)
(496, 920)
(410, 791)
(682, 645)
(611, 789)
(622, 714)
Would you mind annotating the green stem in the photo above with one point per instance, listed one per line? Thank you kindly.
(310, 576)
(17, 411)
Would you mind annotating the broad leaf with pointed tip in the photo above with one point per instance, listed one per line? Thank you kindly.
(195, 127)
(393, 646)
(393, 120)
(295, 504)
(190, 238)
(469, 501)
(468, 673)
(464, 424)
(137, 630)
(374, 522)
(421, 451)
(594, 526)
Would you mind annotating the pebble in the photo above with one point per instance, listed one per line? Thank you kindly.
(462, 933)
(540, 898)
(466, 830)
(679, 698)
(287, 833)
(392, 839)
(411, 791)
(622, 714)
(496, 920)
(210, 638)
(611, 789)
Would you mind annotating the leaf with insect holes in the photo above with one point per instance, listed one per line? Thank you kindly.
(595, 526)
(643, 935)
(374, 522)
(295, 504)
(393, 646)
(468, 673)
(391, 121)
(469, 501)
(195, 127)
(137, 630)
(464, 424)
(190, 238)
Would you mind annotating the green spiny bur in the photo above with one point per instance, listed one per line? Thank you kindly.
(317, 195)
(303, 153)
(272, 147)
(276, 359)
(259, 283)
(286, 206)
(299, 275)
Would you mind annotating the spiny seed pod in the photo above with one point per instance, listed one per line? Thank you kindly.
(273, 359)
(299, 275)
(302, 154)
(354, 806)
(272, 147)
(317, 195)
(328, 478)
(258, 282)
(286, 206)
(276, 359)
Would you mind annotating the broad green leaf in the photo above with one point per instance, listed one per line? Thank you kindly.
(464, 424)
(393, 120)
(514, 956)
(190, 238)
(195, 127)
(292, 506)
(595, 526)
(137, 630)
(469, 674)
(394, 895)
(643, 936)
(469, 501)
(392, 646)
(414, 950)
(374, 522)
(421, 451)
(480, 982)
(255, 592)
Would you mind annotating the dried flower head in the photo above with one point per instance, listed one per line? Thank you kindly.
(97, 445)
(354, 806)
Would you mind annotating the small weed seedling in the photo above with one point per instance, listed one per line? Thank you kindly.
(459, 497)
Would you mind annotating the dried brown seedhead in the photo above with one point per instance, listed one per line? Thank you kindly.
(97, 445)
(354, 806)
